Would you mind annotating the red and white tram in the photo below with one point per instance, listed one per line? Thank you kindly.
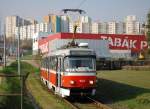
(70, 71)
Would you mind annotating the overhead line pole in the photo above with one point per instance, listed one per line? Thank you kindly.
(19, 73)
(4, 50)
(4, 38)
(18, 50)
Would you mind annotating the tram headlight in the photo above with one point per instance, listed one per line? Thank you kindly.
(91, 82)
(72, 82)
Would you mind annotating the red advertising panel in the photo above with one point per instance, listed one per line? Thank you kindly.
(116, 41)
(135, 43)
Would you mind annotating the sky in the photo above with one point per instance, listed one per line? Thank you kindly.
(98, 10)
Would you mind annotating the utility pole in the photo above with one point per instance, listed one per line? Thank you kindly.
(18, 54)
(0, 27)
(4, 37)
(19, 73)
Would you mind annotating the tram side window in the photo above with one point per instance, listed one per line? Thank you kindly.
(53, 63)
(42, 63)
(50, 62)
(46, 62)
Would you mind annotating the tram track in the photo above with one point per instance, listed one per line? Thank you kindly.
(70, 104)
(89, 102)
(86, 103)
(73, 106)
(98, 104)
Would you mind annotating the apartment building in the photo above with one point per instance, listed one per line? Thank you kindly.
(11, 22)
(27, 32)
(54, 21)
(132, 25)
(64, 23)
(95, 27)
(83, 25)
(112, 27)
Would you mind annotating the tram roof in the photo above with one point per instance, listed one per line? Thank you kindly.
(73, 51)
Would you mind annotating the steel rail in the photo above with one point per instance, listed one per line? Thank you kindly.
(73, 106)
(99, 104)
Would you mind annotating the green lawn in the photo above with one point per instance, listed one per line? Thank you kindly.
(124, 89)
(42, 97)
(12, 85)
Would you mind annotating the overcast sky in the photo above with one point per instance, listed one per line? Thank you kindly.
(103, 10)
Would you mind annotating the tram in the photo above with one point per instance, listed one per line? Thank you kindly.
(70, 71)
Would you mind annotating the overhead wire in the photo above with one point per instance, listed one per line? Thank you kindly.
(82, 2)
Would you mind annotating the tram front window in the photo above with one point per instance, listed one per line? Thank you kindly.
(79, 64)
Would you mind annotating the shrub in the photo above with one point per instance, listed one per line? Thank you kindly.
(145, 68)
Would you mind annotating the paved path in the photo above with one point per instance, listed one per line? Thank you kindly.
(32, 62)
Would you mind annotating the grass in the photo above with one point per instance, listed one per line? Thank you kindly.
(43, 97)
(124, 89)
(12, 85)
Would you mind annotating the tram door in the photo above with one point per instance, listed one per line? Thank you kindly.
(59, 72)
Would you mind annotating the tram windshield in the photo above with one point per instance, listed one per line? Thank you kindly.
(79, 64)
